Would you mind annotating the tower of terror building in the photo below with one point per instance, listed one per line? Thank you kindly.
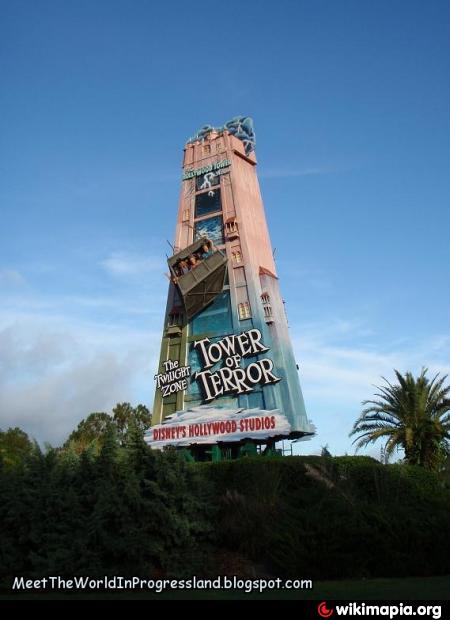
(227, 374)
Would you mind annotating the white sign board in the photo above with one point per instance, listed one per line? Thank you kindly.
(206, 425)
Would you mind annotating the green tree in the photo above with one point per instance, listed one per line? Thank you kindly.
(325, 452)
(413, 414)
(15, 445)
(124, 414)
(91, 431)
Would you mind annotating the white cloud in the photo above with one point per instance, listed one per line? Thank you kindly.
(56, 367)
(142, 304)
(54, 371)
(336, 376)
(123, 264)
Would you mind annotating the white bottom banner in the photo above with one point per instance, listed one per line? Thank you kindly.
(208, 425)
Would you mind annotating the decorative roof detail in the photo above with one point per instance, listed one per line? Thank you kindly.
(240, 126)
(265, 272)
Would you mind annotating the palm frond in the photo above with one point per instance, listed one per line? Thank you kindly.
(413, 413)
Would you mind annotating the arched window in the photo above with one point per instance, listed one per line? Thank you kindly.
(268, 311)
(236, 257)
(244, 311)
(231, 228)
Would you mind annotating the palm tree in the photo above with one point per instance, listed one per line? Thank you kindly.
(413, 414)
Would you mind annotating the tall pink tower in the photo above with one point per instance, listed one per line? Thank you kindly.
(227, 376)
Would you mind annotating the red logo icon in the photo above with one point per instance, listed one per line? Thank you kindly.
(324, 611)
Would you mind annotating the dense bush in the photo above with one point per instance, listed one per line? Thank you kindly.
(333, 517)
(129, 511)
(132, 511)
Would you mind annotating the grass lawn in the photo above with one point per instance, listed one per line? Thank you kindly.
(406, 589)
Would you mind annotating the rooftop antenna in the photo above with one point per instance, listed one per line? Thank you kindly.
(173, 251)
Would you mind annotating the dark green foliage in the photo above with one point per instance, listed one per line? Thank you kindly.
(14, 446)
(93, 430)
(128, 510)
(125, 416)
(333, 517)
(90, 432)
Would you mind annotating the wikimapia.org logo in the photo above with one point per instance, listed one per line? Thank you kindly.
(391, 611)
(324, 611)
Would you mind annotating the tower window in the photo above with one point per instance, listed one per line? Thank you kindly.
(208, 202)
(231, 228)
(186, 215)
(206, 149)
(175, 316)
(239, 276)
(265, 298)
(244, 311)
(236, 257)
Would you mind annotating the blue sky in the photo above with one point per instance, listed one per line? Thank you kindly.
(350, 102)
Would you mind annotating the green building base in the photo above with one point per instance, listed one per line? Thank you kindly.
(228, 452)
